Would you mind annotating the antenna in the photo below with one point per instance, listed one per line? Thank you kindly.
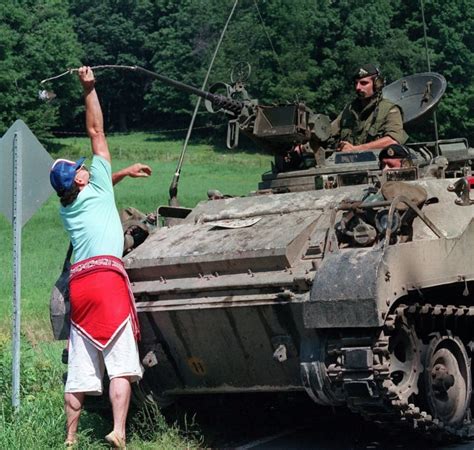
(173, 190)
(428, 63)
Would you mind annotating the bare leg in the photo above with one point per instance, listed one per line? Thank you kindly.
(72, 406)
(120, 391)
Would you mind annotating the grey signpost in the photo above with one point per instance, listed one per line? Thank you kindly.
(24, 169)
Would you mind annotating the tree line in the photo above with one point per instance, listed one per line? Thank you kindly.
(302, 50)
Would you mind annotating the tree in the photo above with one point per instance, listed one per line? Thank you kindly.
(306, 50)
(29, 33)
(115, 32)
(451, 32)
(301, 50)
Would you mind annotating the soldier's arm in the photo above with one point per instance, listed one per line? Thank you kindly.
(378, 143)
(392, 131)
(393, 126)
(94, 118)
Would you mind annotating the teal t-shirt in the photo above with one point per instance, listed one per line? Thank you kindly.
(92, 220)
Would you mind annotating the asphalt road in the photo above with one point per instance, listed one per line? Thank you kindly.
(333, 437)
(263, 421)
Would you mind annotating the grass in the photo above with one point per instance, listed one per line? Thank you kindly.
(40, 422)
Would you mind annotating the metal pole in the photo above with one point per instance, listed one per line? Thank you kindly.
(17, 225)
(173, 190)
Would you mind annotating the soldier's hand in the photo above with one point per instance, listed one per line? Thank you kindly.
(86, 77)
(139, 170)
(345, 146)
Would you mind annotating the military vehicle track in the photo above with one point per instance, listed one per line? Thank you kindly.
(401, 394)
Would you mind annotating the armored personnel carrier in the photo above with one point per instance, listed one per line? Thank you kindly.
(333, 277)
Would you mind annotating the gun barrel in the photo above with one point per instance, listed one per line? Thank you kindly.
(221, 101)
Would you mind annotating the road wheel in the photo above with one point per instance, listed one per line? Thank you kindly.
(405, 360)
(447, 379)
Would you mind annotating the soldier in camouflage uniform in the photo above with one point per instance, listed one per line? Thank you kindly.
(369, 121)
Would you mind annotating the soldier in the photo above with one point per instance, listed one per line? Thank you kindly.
(369, 121)
(395, 157)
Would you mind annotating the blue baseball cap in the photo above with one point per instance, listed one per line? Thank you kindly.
(62, 174)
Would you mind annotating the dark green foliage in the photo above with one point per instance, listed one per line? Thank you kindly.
(303, 49)
(36, 40)
(452, 30)
(116, 32)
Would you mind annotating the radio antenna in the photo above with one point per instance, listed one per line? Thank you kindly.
(173, 189)
(428, 63)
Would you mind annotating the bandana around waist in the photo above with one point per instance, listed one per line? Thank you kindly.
(101, 299)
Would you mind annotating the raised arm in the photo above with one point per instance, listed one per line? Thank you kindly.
(94, 118)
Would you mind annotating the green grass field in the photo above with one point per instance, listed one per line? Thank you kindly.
(40, 422)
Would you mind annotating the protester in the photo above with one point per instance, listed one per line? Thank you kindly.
(104, 326)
